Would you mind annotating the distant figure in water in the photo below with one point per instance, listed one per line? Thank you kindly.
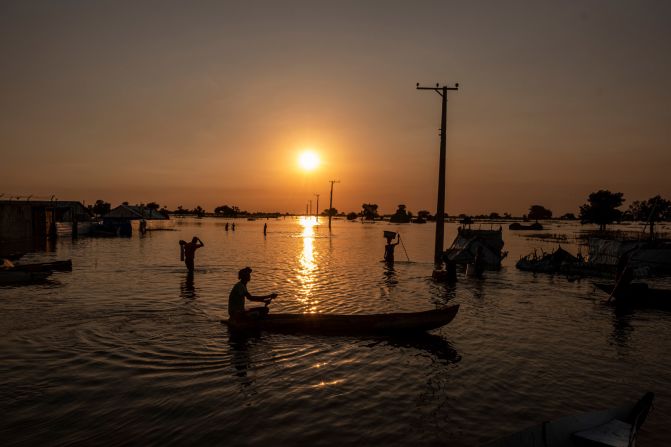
(143, 226)
(188, 251)
(236, 299)
(477, 268)
(265, 228)
(226, 226)
(624, 275)
(389, 248)
(233, 226)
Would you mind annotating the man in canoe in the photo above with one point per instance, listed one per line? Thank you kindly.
(189, 251)
(236, 299)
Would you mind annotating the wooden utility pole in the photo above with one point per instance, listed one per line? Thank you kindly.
(440, 208)
(317, 208)
(331, 201)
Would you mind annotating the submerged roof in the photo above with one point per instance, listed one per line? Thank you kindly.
(134, 212)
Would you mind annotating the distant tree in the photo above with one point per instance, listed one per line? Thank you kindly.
(101, 207)
(424, 214)
(601, 208)
(198, 211)
(568, 216)
(369, 211)
(330, 211)
(401, 215)
(227, 211)
(654, 209)
(152, 206)
(507, 216)
(181, 211)
(537, 212)
(124, 203)
(352, 215)
(494, 215)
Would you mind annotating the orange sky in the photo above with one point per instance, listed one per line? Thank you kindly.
(209, 103)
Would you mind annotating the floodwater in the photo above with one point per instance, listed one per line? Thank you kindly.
(129, 349)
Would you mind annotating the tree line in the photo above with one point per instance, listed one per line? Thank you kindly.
(602, 208)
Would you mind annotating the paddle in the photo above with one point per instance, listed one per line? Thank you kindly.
(616, 287)
(403, 245)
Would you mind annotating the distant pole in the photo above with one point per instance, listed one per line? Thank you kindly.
(440, 208)
(317, 208)
(331, 200)
(306, 210)
(310, 214)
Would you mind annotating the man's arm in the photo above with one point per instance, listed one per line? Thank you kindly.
(260, 299)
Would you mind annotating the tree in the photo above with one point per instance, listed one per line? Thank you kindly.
(494, 215)
(330, 211)
(153, 206)
(537, 212)
(568, 216)
(601, 208)
(352, 215)
(654, 209)
(401, 215)
(424, 214)
(369, 211)
(227, 211)
(101, 207)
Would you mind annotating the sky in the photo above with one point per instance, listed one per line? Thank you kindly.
(211, 102)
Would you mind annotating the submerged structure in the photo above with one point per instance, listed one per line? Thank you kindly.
(468, 242)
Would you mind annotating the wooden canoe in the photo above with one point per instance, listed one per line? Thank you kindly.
(613, 427)
(11, 276)
(334, 324)
(61, 266)
(639, 295)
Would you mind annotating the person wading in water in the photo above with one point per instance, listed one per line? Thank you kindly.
(389, 248)
(188, 253)
(236, 299)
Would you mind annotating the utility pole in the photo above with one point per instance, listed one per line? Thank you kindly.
(331, 200)
(310, 214)
(440, 208)
(317, 209)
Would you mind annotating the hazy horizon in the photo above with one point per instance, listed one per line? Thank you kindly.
(211, 103)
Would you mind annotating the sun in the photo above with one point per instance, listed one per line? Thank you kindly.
(308, 160)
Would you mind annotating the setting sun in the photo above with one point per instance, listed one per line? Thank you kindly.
(308, 160)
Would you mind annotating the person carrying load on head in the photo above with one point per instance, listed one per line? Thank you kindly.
(236, 299)
(389, 248)
(188, 251)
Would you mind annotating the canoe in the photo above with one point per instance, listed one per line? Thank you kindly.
(11, 276)
(613, 427)
(333, 324)
(61, 266)
(638, 294)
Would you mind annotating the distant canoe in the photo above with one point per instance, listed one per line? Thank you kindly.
(518, 226)
(639, 295)
(12, 276)
(61, 266)
(331, 324)
(614, 427)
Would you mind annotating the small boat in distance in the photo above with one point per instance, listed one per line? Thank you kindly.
(613, 427)
(638, 294)
(515, 226)
(333, 324)
(60, 266)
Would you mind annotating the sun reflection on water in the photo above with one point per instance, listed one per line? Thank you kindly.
(308, 266)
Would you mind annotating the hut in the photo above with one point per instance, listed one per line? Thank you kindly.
(25, 219)
(118, 221)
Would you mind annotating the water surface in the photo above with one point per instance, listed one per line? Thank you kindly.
(128, 348)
